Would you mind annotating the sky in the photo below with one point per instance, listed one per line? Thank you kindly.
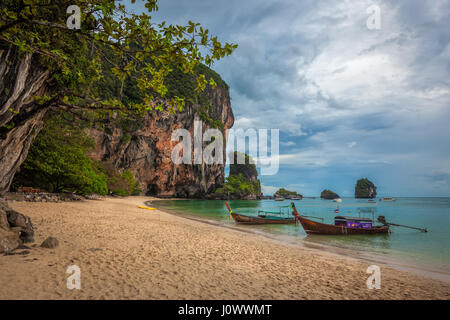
(350, 101)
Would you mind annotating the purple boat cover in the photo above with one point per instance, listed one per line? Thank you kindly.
(360, 225)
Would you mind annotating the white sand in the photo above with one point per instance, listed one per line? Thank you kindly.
(149, 254)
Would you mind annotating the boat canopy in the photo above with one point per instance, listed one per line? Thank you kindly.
(353, 222)
(341, 218)
(278, 211)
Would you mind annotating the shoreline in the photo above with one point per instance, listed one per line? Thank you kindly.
(392, 262)
(129, 253)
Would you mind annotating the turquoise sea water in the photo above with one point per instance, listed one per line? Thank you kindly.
(431, 249)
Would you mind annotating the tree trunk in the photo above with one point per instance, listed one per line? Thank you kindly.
(21, 79)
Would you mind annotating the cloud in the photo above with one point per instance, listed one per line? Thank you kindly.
(354, 100)
(351, 144)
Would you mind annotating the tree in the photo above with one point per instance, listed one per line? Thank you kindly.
(122, 184)
(57, 161)
(44, 64)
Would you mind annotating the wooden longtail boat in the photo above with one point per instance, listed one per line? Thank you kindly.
(314, 227)
(262, 218)
(362, 226)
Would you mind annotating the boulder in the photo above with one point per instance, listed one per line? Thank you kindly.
(12, 219)
(9, 237)
(4, 224)
(50, 243)
(18, 220)
(9, 240)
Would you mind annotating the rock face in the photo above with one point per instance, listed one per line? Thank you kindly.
(365, 189)
(328, 195)
(145, 148)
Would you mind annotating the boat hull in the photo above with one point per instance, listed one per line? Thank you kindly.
(243, 219)
(314, 227)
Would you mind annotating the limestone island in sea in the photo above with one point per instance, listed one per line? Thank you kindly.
(365, 189)
(329, 195)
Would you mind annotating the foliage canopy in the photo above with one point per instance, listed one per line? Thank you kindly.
(240, 186)
(243, 178)
(57, 161)
(111, 40)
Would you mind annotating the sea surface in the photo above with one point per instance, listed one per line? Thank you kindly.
(430, 250)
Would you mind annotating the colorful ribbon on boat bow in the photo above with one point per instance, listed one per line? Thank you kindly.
(229, 210)
(295, 213)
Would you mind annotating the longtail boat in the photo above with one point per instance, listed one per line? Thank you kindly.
(388, 199)
(264, 217)
(342, 225)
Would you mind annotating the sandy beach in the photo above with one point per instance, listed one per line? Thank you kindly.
(125, 252)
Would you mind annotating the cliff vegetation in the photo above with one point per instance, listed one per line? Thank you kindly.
(242, 182)
(287, 194)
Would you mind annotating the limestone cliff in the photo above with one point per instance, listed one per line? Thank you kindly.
(144, 147)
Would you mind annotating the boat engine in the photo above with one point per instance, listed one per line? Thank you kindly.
(382, 219)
